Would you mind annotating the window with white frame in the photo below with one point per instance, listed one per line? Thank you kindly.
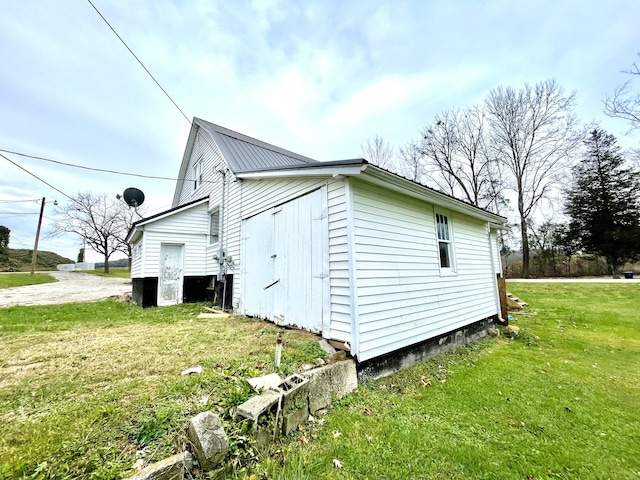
(197, 174)
(445, 247)
(214, 226)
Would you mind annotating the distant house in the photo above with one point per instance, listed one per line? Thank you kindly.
(346, 249)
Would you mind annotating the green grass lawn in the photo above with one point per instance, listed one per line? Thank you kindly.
(86, 390)
(21, 279)
(89, 389)
(118, 272)
(563, 401)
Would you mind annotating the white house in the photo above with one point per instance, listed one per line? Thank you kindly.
(343, 248)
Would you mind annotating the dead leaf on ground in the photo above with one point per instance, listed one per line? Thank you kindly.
(337, 463)
(368, 411)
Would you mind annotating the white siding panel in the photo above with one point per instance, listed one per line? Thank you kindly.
(189, 227)
(402, 297)
(340, 319)
(137, 260)
(204, 147)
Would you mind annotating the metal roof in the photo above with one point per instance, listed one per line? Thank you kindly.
(243, 153)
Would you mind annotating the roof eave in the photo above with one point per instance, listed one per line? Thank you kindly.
(310, 171)
(403, 185)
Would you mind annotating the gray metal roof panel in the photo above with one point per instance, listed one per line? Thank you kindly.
(244, 153)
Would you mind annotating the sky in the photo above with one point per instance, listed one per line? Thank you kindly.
(315, 77)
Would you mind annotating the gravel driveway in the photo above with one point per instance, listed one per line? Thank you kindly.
(70, 287)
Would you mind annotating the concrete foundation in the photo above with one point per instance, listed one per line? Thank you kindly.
(392, 362)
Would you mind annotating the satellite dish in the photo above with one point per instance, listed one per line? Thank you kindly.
(133, 197)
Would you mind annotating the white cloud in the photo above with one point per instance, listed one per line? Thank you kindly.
(318, 77)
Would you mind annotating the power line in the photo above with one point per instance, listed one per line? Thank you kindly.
(115, 172)
(37, 177)
(138, 60)
(19, 213)
(94, 169)
(19, 201)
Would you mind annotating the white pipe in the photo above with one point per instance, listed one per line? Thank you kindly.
(278, 351)
(221, 239)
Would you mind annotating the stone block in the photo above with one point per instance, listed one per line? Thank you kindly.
(331, 381)
(257, 405)
(209, 439)
(172, 468)
(295, 392)
(293, 418)
(324, 345)
(295, 401)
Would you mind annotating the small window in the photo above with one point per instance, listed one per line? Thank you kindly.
(197, 174)
(214, 227)
(445, 249)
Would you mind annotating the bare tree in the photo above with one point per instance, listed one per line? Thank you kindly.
(101, 221)
(624, 103)
(457, 158)
(533, 136)
(378, 152)
(411, 162)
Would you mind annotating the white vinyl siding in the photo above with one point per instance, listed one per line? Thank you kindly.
(340, 292)
(137, 259)
(402, 299)
(206, 154)
(189, 227)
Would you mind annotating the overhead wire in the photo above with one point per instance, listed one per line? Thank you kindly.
(139, 61)
(95, 169)
(38, 178)
(19, 213)
(115, 172)
(149, 73)
(20, 201)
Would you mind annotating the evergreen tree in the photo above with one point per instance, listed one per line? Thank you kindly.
(4, 244)
(603, 202)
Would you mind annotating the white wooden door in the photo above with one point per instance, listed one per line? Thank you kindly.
(286, 277)
(170, 276)
(258, 260)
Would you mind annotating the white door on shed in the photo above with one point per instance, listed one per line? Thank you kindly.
(285, 278)
(170, 277)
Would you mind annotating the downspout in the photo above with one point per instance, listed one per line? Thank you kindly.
(501, 321)
(221, 253)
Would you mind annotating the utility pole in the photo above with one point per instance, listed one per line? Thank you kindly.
(35, 247)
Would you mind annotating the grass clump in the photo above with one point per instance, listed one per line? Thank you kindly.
(8, 280)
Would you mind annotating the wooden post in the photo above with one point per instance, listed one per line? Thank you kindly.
(35, 247)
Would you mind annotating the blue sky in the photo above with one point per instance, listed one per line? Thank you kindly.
(315, 77)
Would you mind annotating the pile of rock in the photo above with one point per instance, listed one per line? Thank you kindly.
(288, 402)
